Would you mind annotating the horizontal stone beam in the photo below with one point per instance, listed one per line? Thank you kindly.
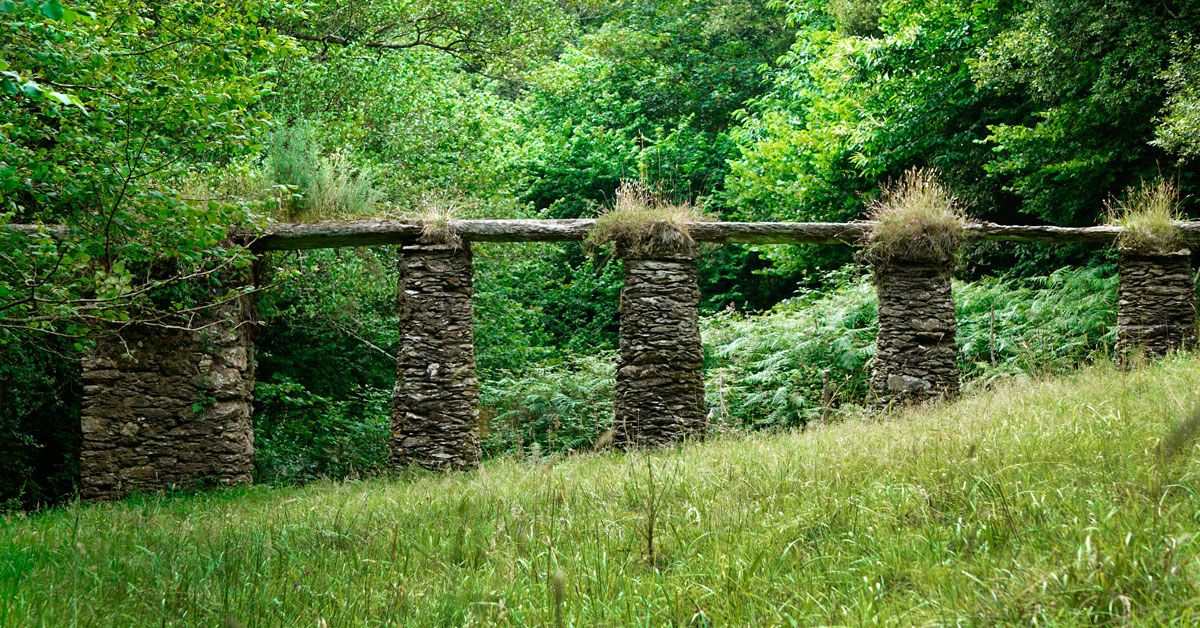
(368, 233)
(297, 236)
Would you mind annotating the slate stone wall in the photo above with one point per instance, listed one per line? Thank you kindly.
(660, 386)
(167, 408)
(435, 413)
(916, 351)
(1156, 311)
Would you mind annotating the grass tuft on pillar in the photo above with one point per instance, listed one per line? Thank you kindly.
(1148, 212)
(916, 218)
(643, 223)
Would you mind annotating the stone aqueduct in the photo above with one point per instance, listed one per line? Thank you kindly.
(171, 408)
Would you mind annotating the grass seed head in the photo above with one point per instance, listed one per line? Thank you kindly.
(643, 223)
(1148, 212)
(437, 214)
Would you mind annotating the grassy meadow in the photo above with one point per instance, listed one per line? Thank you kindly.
(1059, 501)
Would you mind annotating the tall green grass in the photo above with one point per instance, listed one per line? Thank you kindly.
(1054, 501)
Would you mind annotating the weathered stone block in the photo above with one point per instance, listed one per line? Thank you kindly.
(660, 386)
(916, 351)
(1156, 308)
(435, 411)
(169, 408)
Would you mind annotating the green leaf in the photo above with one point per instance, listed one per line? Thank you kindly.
(52, 9)
(31, 89)
(68, 100)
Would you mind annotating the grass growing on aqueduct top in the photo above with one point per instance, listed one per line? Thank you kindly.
(1069, 500)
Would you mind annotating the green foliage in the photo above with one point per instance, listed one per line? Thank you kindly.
(151, 93)
(1032, 111)
(856, 17)
(648, 93)
(1090, 72)
(770, 370)
(812, 354)
(327, 186)
(300, 436)
(1049, 501)
(1035, 325)
(1179, 129)
(558, 408)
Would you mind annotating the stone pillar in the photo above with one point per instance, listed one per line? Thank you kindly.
(435, 412)
(1156, 310)
(916, 351)
(167, 408)
(660, 388)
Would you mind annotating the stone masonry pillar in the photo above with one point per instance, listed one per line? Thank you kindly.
(166, 408)
(916, 351)
(1156, 310)
(435, 412)
(660, 388)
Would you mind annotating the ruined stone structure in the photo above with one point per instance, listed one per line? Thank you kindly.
(1156, 310)
(167, 408)
(435, 413)
(172, 408)
(916, 351)
(660, 388)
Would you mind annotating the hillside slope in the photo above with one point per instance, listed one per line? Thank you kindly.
(1064, 501)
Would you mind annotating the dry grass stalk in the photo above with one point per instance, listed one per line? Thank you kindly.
(917, 218)
(641, 222)
(437, 215)
(1148, 212)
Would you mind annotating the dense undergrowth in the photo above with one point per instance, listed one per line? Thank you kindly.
(1057, 500)
(811, 354)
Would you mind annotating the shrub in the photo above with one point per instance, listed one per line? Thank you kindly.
(916, 218)
(326, 186)
(642, 222)
(769, 370)
(856, 17)
(1148, 212)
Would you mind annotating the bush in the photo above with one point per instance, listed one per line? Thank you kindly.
(326, 186)
(769, 370)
